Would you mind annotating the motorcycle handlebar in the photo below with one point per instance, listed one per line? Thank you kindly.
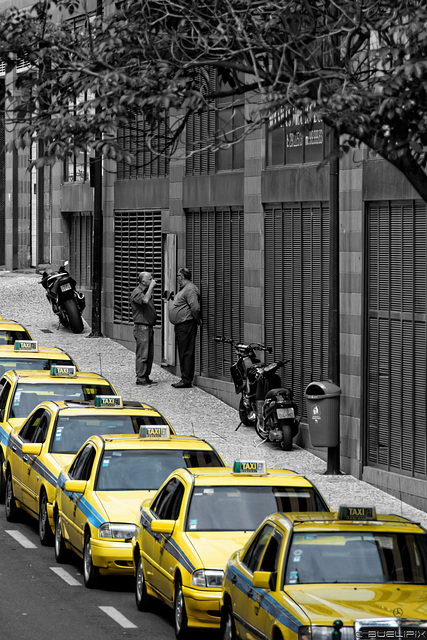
(252, 345)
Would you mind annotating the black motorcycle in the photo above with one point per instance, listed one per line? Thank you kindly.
(67, 303)
(243, 373)
(277, 413)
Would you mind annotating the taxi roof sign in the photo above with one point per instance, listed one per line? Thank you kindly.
(155, 432)
(109, 402)
(63, 371)
(356, 513)
(26, 345)
(253, 467)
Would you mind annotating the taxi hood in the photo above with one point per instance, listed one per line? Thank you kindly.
(325, 603)
(122, 506)
(61, 460)
(215, 547)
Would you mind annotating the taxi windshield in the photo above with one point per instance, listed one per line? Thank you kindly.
(9, 336)
(30, 364)
(126, 470)
(231, 508)
(28, 396)
(72, 431)
(350, 557)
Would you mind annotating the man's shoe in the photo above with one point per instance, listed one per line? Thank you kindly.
(142, 383)
(181, 385)
(150, 381)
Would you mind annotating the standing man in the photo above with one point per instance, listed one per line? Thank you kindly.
(144, 317)
(184, 313)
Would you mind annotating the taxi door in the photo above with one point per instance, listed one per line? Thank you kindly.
(71, 503)
(35, 433)
(167, 507)
(264, 599)
(21, 464)
(247, 600)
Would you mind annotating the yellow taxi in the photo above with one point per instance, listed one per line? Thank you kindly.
(10, 331)
(98, 496)
(49, 439)
(28, 355)
(22, 391)
(189, 529)
(349, 574)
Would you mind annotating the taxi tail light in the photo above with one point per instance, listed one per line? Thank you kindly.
(323, 633)
(209, 578)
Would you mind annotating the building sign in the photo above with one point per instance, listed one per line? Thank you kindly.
(294, 137)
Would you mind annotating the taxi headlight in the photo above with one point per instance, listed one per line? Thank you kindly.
(323, 633)
(211, 578)
(117, 530)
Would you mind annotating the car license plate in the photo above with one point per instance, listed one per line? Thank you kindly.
(285, 412)
(65, 287)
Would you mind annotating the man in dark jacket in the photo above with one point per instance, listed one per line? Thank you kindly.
(184, 313)
(144, 317)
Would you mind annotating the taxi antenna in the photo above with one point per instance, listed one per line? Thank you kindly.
(100, 363)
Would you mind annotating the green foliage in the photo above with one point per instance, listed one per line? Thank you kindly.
(360, 65)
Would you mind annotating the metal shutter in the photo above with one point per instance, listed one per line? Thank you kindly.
(81, 231)
(2, 180)
(137, 247)
(215, 255)
(396, 385)
(146, 143)
(200, 131)
(297, 291)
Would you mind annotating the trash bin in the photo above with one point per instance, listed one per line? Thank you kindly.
(323, 411)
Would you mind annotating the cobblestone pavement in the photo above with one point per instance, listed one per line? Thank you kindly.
(190, 411)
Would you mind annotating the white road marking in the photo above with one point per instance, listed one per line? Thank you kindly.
(118, 617)
(66, 576)
(19, 537)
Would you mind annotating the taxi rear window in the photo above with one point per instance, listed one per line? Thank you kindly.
(350, 557)
(28, 396)
(242, 508)
(29, 364)
(8, 336)
(147, 469)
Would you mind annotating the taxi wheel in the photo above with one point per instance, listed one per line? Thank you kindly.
(141, 597)
(45, 531)
(9, 503)
(180, 614)
(61, 551)
(2, 480)
(90, 573)
(228, 630)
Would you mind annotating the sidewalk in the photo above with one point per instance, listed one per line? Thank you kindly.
(190, 411)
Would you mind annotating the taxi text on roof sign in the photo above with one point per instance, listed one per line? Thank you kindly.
(109, 402)
(63, 371)
(250, 466)
(357, 513)
(161, 431)
(26, 345)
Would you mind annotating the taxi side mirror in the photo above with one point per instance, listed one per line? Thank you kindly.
(75, 486)
(261, 580)
(162, 526)
(32, 449)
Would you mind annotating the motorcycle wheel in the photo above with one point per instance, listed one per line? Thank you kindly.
(286, 443)
(244, 415)
(74, 317)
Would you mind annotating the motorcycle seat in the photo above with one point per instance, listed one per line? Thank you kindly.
(283, 391)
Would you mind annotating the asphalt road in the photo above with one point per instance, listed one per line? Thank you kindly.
(41, 599)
